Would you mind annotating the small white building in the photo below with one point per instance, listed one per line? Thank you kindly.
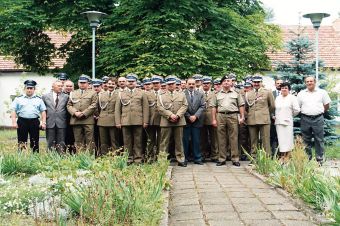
(13, 76)
(11, 84)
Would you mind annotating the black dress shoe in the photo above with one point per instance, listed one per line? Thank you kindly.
(198, 162)
(182, 164)
(220, 163)
(236, 164)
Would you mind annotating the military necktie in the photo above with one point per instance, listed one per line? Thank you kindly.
(172, 94)
(206, 94)
(57, 100)
(110, 94)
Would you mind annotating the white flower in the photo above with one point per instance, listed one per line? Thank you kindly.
(39, 179)
(3, 181)
(82, 172)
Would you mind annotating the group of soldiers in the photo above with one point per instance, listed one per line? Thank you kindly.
(198, 119)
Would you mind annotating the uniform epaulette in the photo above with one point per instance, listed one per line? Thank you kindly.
(20, 95)
(38, 96)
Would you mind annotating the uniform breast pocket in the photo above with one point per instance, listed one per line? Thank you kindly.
(86, 100)
(219, 101)
(234, 97)
(261, 101)
(177, 104)
(137, 100)
(166, 104)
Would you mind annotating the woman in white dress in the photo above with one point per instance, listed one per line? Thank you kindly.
(286, 107)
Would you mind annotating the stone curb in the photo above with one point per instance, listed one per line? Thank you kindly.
(166, 194)
(298, 203)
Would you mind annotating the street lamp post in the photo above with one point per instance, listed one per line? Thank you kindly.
(316, 19)
(94, 19)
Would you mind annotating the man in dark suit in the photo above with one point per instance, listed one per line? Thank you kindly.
(196, 105)
(56, 122)
(273, 135)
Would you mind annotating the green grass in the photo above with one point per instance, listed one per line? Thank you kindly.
(333, 152)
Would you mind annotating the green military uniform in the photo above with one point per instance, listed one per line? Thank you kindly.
(108, 133)
(170, 103)
(83, 101)
(131, 112)
(208, 132)
(260, 106)
(153, 130)
(227, 104)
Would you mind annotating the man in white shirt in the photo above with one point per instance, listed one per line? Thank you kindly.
(314, 102)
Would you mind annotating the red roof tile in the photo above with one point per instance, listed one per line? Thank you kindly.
(329, 43)
(7, 63)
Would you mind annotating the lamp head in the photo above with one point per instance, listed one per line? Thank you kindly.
(316, 18)
(94, 17)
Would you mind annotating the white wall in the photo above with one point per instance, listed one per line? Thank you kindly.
(12, 82)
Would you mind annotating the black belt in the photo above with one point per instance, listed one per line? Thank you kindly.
(228, 112)
(312, 116)
(28, 118)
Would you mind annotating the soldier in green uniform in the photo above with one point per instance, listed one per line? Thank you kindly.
(198, 81)
(108, 133)
(153, 130)
(172, 105)
(82, 105)
(132, 115)
(209, 143)
(261, 105)
(217, 85)
(97, 87)
(105, 79)
(227, 104)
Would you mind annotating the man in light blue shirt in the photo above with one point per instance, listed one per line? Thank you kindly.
(26, 110)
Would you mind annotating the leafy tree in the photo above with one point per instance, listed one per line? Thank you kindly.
(302, 64)
(144, 36)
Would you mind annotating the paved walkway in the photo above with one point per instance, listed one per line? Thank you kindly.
(227, 195)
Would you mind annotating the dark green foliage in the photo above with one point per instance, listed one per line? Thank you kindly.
(144, 36)
(302, 64)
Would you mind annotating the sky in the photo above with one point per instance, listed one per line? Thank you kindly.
(286, 12)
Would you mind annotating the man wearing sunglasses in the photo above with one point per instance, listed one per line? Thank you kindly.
(27, 109)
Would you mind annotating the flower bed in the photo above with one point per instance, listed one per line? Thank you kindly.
(80, 189)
